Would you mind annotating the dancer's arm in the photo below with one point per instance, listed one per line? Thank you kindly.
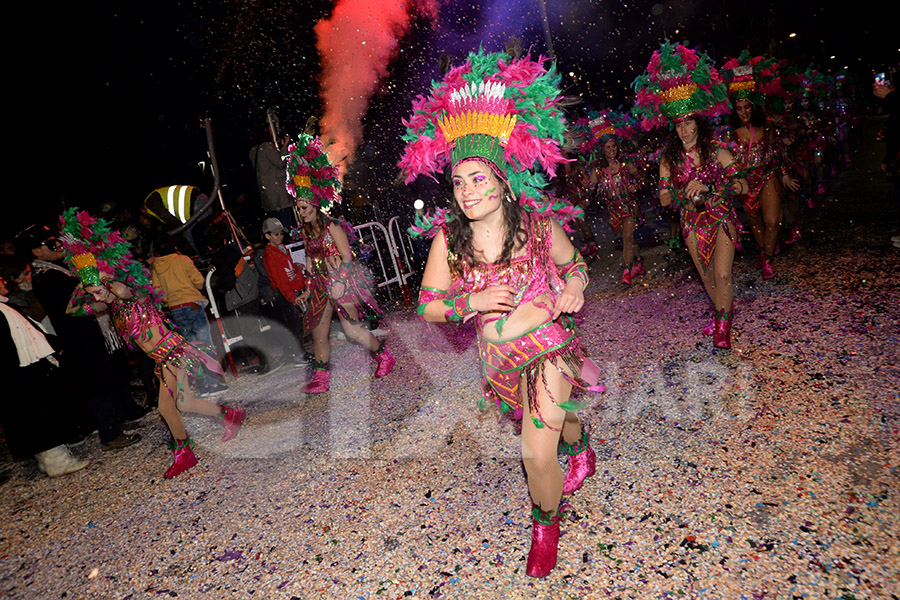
(573, 269)
(341, 274)
(435, 303)
(738, 184)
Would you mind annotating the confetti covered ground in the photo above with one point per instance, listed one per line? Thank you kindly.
(767, 471)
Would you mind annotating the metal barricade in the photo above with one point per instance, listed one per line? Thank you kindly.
(388, 258)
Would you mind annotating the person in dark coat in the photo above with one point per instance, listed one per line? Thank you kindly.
(84, 354)
(33, 422)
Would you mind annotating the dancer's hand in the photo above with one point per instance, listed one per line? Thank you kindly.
(497, 298)
(790, 183)
(337, 290)
(695, 188)
(572, 298)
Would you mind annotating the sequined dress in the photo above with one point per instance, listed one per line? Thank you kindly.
(506, 361)
(136, 319)
(703, 225)
(759, 161)
(327, 269)
(621, 203)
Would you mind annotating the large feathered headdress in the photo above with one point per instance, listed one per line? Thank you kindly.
(678, 82)
(310, 175)
(93, 249)
(496, 108)
(750, 77)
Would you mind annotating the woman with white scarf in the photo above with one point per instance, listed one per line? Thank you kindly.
(33, 422)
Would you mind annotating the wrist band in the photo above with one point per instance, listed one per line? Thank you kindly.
(426, 295)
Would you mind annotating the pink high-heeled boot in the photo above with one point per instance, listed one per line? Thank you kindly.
(231, 420)
(582, 463)
(768, 271)
(184, 458)
(794, 236)
(722, 332)
(544, 543)
(637, 270)
(320, 383)
(385, 360)
(626, 276)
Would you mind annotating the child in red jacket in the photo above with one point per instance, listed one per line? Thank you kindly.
(288, 282)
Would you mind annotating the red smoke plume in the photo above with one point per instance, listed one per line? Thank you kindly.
(356, 44)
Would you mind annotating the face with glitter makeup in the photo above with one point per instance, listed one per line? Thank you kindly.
(744, 109)
(109, 292)
(477, 190)
(610, 149)
(687, 132)
(307, 211)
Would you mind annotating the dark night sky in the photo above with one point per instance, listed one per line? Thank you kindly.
(107, 96)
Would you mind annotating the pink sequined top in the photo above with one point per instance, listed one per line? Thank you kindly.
(533, 273)
(319, 249)
(757, 158)
(614, 186)
(136, 317)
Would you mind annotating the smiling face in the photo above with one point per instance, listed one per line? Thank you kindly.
(610, 149)
(307, 211)
(744, 110)
(687, 132)
(477, 190)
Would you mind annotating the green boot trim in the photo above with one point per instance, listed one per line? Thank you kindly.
(723, 315)
(544, 518)
(175, 445)
(320, 365)
(575, 448)
(378, 350)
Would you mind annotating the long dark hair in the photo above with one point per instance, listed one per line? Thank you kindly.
(460, 242)
(673, 153)
(318, 223)
(757, 116)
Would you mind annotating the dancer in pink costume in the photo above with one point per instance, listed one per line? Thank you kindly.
(102, 261)
(695, 174)
(499, 257)
(336, 281)
(752, 142)
(617, 183)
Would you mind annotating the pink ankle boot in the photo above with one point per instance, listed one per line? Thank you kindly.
(231, 420)
(544, 543)
(582, 464)
(722, 332)
(626, 276)
(710, 327)
(184, 459)
(794, 236)
(385, 362)
(768, 271)
(320, 383)
(637, 270)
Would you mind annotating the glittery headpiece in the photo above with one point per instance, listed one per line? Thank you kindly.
(494, 107)
(93, 249)
(817, 84)
(788, 85)
(599, 127)
(750, 77)
(310, 175)
(678, 82)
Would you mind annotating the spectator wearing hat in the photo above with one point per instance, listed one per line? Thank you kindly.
(288, 282)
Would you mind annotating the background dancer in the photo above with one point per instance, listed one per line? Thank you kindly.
(617, 184)
(754, 148)
(496, 258)
(337, 283)
(696, 174)
(135, 308)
